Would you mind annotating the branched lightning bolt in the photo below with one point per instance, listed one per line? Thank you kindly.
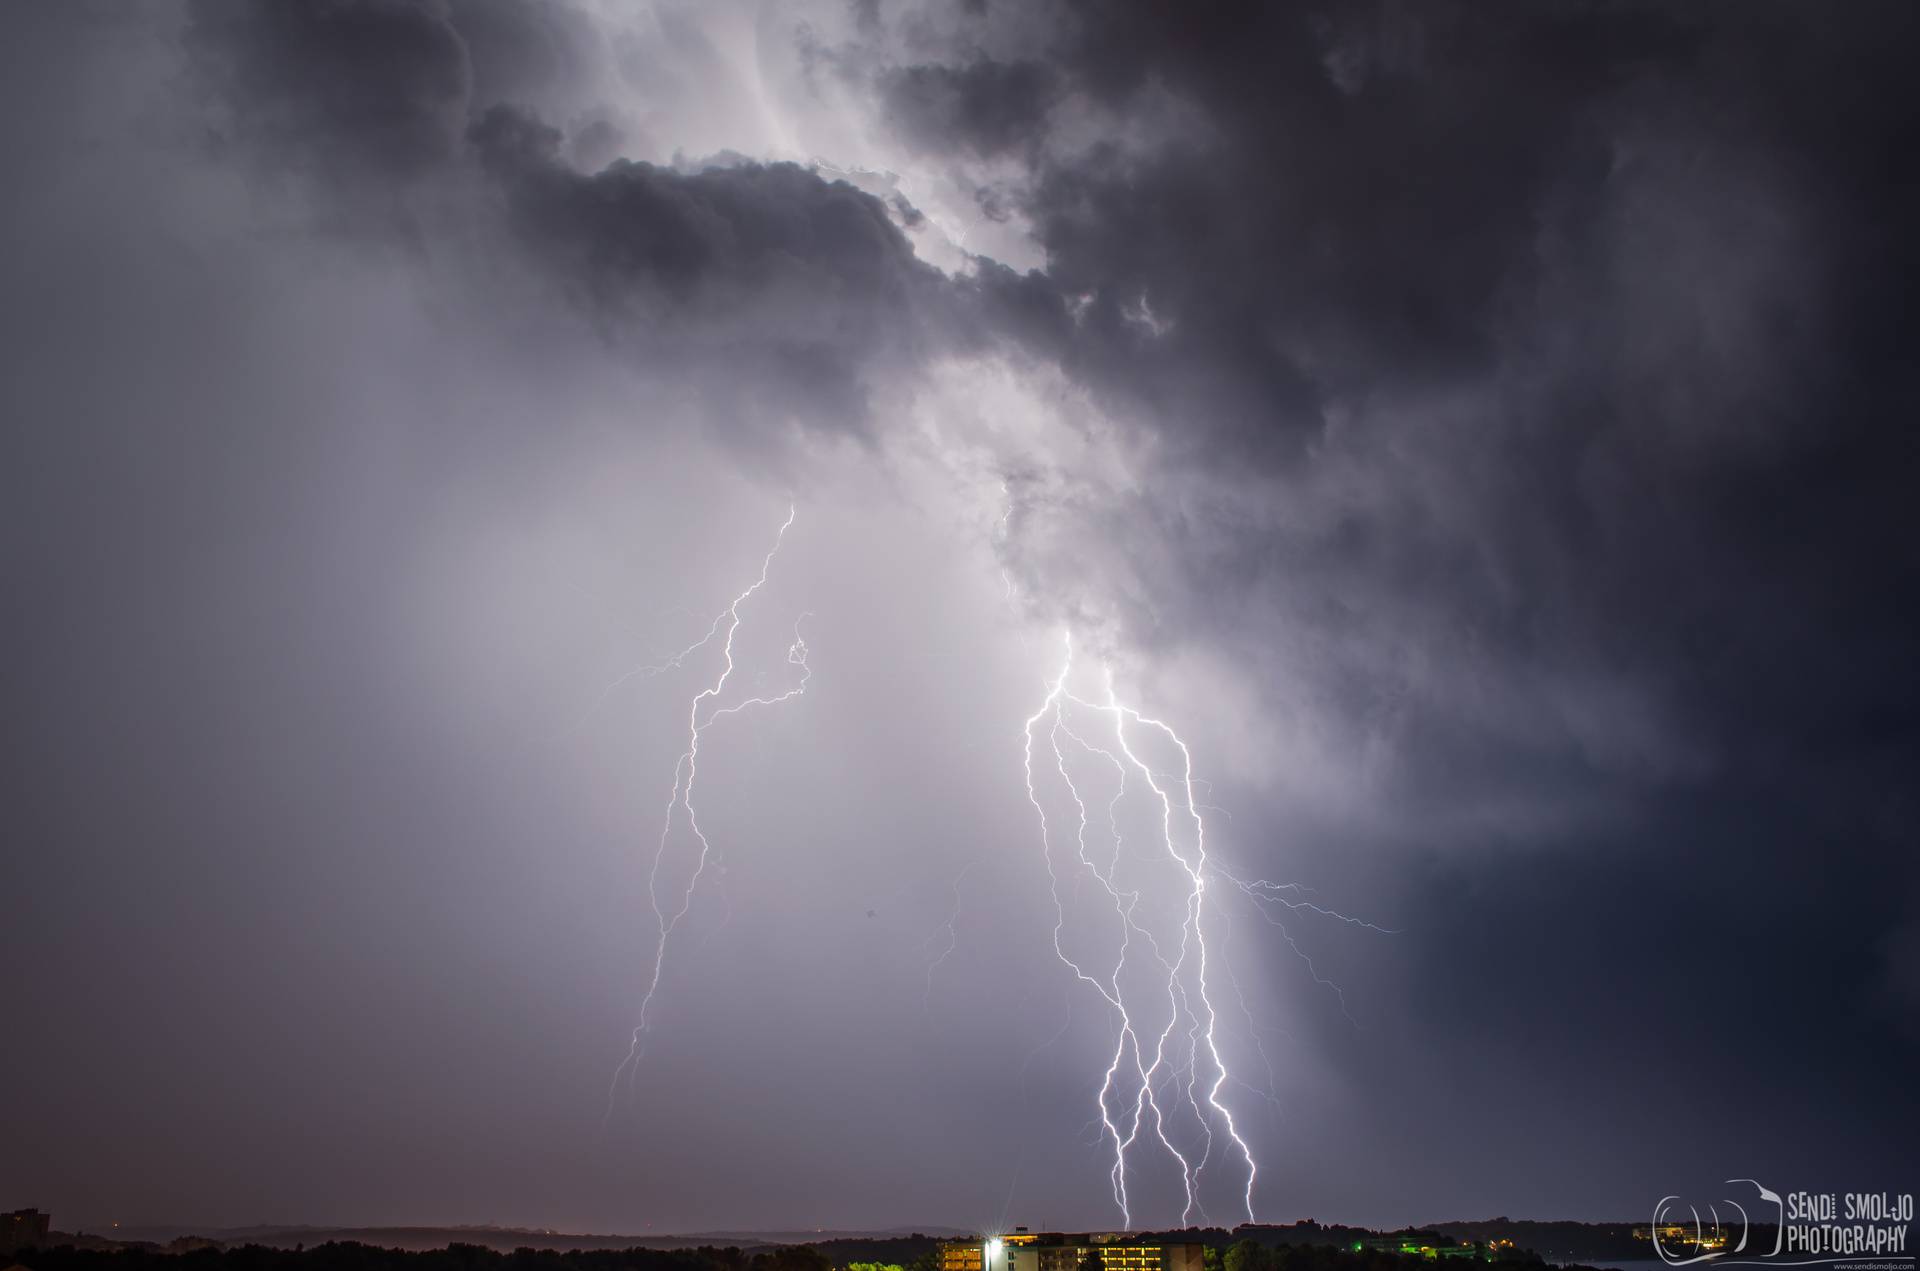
(686, 774)
(1167, 1073)
(1194, 929)
(1129, 1051)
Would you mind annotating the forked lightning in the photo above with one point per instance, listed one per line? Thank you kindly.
(686, 773)
(1166, 1074)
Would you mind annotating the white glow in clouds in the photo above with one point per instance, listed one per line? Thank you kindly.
(1017, 457)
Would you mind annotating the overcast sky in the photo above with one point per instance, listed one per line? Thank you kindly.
(1481, 433)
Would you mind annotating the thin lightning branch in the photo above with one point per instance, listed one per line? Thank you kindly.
(1113, 804)
(796, 656)
(686, 773)
(646, 672)
(624, 633)
(1262, 891)
(1264, 894)
(953, 916)
(1272, 1093)
(1307, 960)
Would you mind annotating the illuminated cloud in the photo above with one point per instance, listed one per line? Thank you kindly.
(1481, 432)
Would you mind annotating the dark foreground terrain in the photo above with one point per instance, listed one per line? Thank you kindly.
(1226, 1251)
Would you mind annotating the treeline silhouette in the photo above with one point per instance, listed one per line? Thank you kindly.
(1249, 1255)
(1222, 1255)
(351, 1256)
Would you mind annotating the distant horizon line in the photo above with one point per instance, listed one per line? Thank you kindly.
(894, 1231)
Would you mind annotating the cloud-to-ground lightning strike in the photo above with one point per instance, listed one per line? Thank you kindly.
(686, 775)
(1166, 1073)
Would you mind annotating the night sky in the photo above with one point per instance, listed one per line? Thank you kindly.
(1483, 432)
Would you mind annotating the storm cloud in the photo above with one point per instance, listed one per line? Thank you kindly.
(1484, 430)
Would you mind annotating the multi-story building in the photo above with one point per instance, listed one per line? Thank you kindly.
(1022, 1250)
(22, 1229)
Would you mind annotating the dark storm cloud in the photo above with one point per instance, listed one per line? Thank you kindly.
(1662, 277)
(773, 293)
(1558, 340)
(775, 278)
(525, 51)
(1652, 254)
(373, 90)
(379, 91)
(1518, 399)
(1373, 199)
(985, 107)
(1568, 329)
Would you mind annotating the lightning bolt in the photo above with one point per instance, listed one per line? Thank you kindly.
(686, 772)
(952, 938)
(1129, 1052)
(1167, 1073)
(1164, 1082)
